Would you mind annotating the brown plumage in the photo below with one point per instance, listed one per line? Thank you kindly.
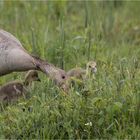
(14, 58)
(14, 90)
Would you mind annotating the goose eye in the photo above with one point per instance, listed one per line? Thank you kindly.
(63, 77)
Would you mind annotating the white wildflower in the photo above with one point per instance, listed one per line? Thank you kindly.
(89, 124)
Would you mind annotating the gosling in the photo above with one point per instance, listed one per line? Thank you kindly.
(12, 91)
(82, 74)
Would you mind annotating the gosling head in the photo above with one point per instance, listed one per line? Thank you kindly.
(92, 66)
(31, 76)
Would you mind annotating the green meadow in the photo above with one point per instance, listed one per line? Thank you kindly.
(68, 34)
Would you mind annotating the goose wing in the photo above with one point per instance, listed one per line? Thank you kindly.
(6, 38)
(13, 57)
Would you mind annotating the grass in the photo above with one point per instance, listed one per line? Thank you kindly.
(68, 34)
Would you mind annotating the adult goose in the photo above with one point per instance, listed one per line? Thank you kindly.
(14, 58)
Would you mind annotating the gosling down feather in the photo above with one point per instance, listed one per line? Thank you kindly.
(80, 73)
(14, 90)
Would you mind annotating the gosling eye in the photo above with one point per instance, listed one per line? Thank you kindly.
(63, 76)
(89, 66)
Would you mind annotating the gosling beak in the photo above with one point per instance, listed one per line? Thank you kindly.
(94, 70)
(38, 80)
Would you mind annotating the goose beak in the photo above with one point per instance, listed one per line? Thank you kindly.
(65, 88)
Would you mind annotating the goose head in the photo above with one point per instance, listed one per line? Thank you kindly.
(57, 75)
(92, 67)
